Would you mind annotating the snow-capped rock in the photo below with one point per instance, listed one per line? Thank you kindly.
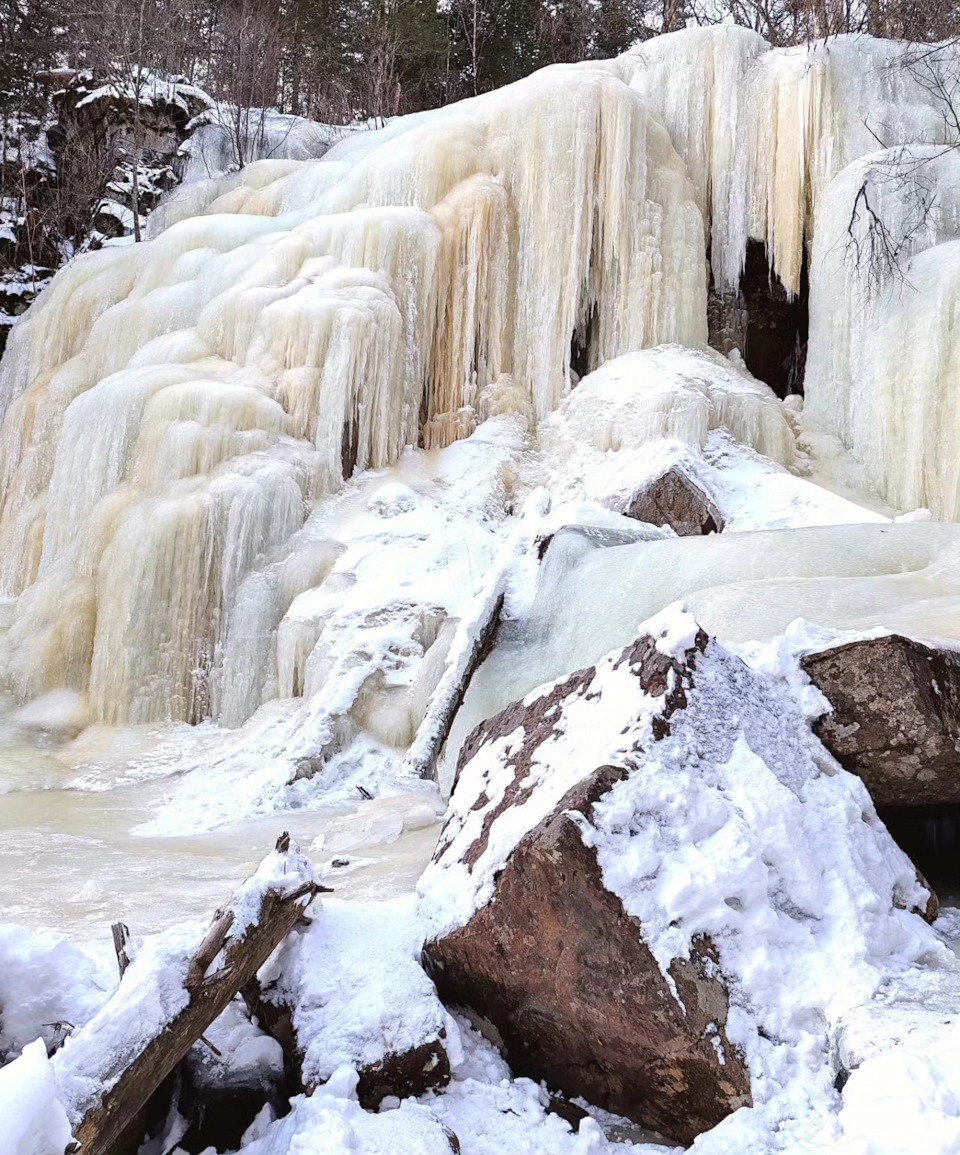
(654, 884)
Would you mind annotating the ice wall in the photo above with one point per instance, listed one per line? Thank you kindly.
(172, 409)
(778, 143)
(763, 131)
(884, 363)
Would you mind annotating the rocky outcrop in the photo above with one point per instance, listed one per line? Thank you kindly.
(676, 500)
(895, 720)
(635, 850)
(70, 169)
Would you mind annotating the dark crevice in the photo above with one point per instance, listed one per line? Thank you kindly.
(769, 329)
(580, 342)
(931, 838)
(349, 448)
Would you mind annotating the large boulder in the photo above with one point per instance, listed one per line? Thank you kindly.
(639, 865)
(895, 720)
(673, 498)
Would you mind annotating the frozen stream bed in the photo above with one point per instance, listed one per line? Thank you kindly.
(69, 861)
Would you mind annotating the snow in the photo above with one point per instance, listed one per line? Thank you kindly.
(48, 988)
(248, 1056)
(354, 981)
(466, 643)
(150, 995)
(34, 1121)
(330, 1124)
(493, 1113)
(590, 595)
(211, 148)
(282, 872)
(360, 614)
(903, 1054)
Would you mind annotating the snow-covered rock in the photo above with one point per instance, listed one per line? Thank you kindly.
(673, 498)
(667, 392)
(349, 989)
(674, 802)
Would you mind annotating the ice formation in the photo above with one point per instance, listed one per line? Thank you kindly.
(886, 281)
(174, 411)
(742, 586)
(663, 393)
(763, 131)
(777, 143)
(173, 407)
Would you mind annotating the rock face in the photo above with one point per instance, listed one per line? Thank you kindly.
(643, 858)
(895, 719)
(674, 499)
(557, 967)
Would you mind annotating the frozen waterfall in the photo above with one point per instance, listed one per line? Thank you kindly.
(175, 411)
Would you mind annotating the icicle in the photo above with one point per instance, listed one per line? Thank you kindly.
(764, 131)
(172, 406)
(884, 365)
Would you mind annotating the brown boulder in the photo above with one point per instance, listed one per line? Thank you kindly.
(556, 970)
(559, 968)
(676, 500)
(896, 717)
(640, 856)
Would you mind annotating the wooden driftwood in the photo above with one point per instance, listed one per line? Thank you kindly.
(130, 1075)
(472, 641)
(424, 752)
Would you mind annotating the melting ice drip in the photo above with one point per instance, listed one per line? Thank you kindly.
(173, 409)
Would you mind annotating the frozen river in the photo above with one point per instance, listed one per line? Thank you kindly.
(70, 862)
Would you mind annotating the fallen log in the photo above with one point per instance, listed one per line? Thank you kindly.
(472, 642)
(169, 995)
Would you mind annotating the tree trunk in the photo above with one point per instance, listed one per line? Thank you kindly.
(143, 1068)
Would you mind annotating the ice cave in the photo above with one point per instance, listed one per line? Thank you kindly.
(327, 508)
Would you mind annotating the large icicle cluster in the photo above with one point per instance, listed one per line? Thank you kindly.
(884, 362)
(764, 134)
(172, 407)
(173, 410)
(763, 131)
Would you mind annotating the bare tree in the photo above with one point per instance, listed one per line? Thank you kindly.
(476, 22)
(246, 70)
